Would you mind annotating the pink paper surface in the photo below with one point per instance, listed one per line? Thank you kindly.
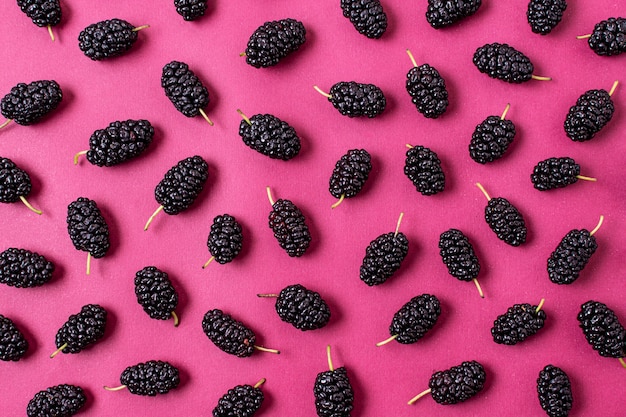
(383, 378)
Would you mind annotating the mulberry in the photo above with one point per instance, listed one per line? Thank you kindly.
(13, 345)
(190, 9)
(427, 89)
(240, 401)
(273, 41)
(350, 174)
(58, 401)
(150, 378)
(333, 393)
(414, 319)
(15, 184)
(455, 385)
(518, 323)
(289, 226)
(555, 391)
(185, 90)
(505, 220)
(367, 16)
(87, 228)
(492, 138)
(505, 63)
(108, 38)
(22, 268)
(383, 256)
(156, 294)
(354, 99)
(544, 15)
(592, 111)
(27, 104)
(225, 239)
(602, 329)
(458, 255)
(42, 12)
(302, 308)
(554, 173)
(81, 330)
(423, 167)
(608, 37)
(442, 13)
(269, 136)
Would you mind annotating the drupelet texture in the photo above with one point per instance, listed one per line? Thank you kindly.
(554, 173)
(383, 258)
(333, 393)
(442, 13)
(14, 182)
(42, 12)
(491, 139)
(228, 334)
(544, 15)
(13, 345)
(457, 384)
(518, 323)
(225, 238)
(22, 268)
(503, 62)
(270, 136)
(354, 99)
(155, 293)
(427, 89)
(555, 391)
(182, 184)
(458, 255)
(304, 309)
(107, 39)
(273, 41)
(415, 318)
(350, 173)
(289, 227)
(82, 329)
(571, 256)
(27, 104)
(602, 329)
(184, 88)
(367, 16)
(119, 142)
(609, 37)
(592, 111)
(423, 167)
(150, 378)
(190, 9)
(87, 228)
(58, 401)
(506, 221)
(240, 401)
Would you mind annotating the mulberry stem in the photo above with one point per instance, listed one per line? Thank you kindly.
(480, 290)
(121, 387)
(138, 28)
(595, 229)
(152, 218)
(410, 146)
(56, 352)
(5, 123)
(264, 349)
(319, 90)
(269, 195)
(175, 317)
(398, 224)
(384, 342)
(205, 117)
(244, 117)
(621, 360)
(411, 57)
(208, 262)
(613, 88)
(587, 36)
(479, 185)
(242, 54)
(540, 78)
(582, 177)
(267, 295)
(338, 201)
(88, 263)
(506, 110)
(418, 396)
(50, 32)
(330, 361)
(78, 156)
(261, 382)
(543, 300)
(27, 204)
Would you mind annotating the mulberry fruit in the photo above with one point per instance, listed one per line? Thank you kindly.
(505, 63)
(185, 90)
(383, 256)
(458, 255)
(423, 167)
(544, 15)
(270, 136)
(225, 239)
(302, 308)
(156, 294)
(13, 345)
(107, 38)
(333, 393)
(117, 143)
(58, 401)
(554, 173)
(367, 16)
(22, 268)
(455, 385)
(414, 319)
(592, 111)
(190, 9)
(42, 12)
(505, 220)
(27, 104)
(150, 378)
(81, 330)
(602, 329)
(354, 99)
(491, 138)
(87, 228)
(442, 13)
(289, 226)
(350, 174)
(427, 89)
(518, 323)
(15, 184)
(608, 37)
(555, 391)
(240, 401)
(572, 255)
(273, 41)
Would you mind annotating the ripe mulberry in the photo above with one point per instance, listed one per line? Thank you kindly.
(458, 255)
(22, 268)
(383, 257)
(592, 111)
(555, 391)
(503, 62)
(228, 334)
(415, 319)
(240, 401)
(302, 308)
(544, 15)
(602, 329)
(354, 99)
(442, 13)
(505, 220)
(518, 323)
(427, 89)
(289, 227)
(367, 16)
(42, 12)
(119, 142)
(156, 294)
(87, 228)
(225, 239)
(270, 136)
(182, 184)
(27, 104)
(58, 401)
(554, 173)
(491, 139)
(190, 9)
(455, 385)
(571, 256)
(273, 41)
(150, 378)
(81, 330)
(350, 174)
(333, 393)
(423, 167)
(184, 89)
(107, 38)
(609, 37)
(15, 184)
(13, 345)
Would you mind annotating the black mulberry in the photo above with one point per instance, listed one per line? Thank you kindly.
(87, 228)
(27, 104)
(354, 99)
(602, 329)
(150, 378)
(185, 90)
(491, 139)
(58, 401)
(442, 13)
(554, 173)
(42, 12)
(427, 89)
(22, 268)
(423, 167)
(304, 309)
(455, 385)
(13, 345)
(190, 9)
(225, 239)
(505, 220)
(350, 174)
(383, 257)
(518, 323)
(107, 38)
(571, 256)
(459, 257)
(156, 294)
(414, 319)
(555, 391)
(118, 142)
(367, 16)
(273, 41)
(544, 15)
(15, 184)
(592, 111)
(504, 62)
(609, 37)
(81, 330)
(270, 136)
(289, 227)
(228, 334)
(333, 393)
(240, 401)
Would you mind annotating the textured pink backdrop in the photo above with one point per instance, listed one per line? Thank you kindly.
(97, 93)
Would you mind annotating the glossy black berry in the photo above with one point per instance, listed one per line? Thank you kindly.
(354, 99)
(155, 293)
(106, 39)
(423, 167)
(592, 111)
(544, 15)
(119, 142)
(457, 384)
(415, 318)
(304, 309)
(518, 323)
(87, 228)
(184, 88)
(58, 401)
(190, 9)
(350, 173)
(503, 62)
(427, 89)
(506, 221)
(333, 393)
(27, 104)
(383, 258)
(554, 173)
(22, 268)
(225, 238)
(13, 345)
(555, 391)
(270, 136)
(570, 256)
(182, 184)
(82, 329)
(602, 329)
(240, 401)
(609, 37)
(442, 13)
(42, 12)
(150, 378)
(289, 227)
(14, 182)
(228, 334)
(458, 255)
(491, 139)
(367, 16)
(273, 41)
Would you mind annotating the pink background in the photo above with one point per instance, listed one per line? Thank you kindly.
(384, 379)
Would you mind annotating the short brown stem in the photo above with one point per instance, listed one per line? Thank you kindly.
(480, 290)
(613, 87)
(6, 122)
(338, 201)
(398, 224)
(319, 90)
(411, 57)
(540, 78)
(479, 185)
(587, 36)
(621, 360)
(175, 317)
(88, 263)
(142, 27)
(208, 262)
(152, 218)
(582, 177)
(50, 32)
(539, 307)
(244, 117)
(595, 229)
(410, 146)
(269, 195)
(59, 350)
(390, 339)
(506, 110)
(242, 54)
(121, 387)
(205, 117)
(267, 295)
(261, 382)
(78, 156)
(418, 396)
(27, 204)
(264, 349)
